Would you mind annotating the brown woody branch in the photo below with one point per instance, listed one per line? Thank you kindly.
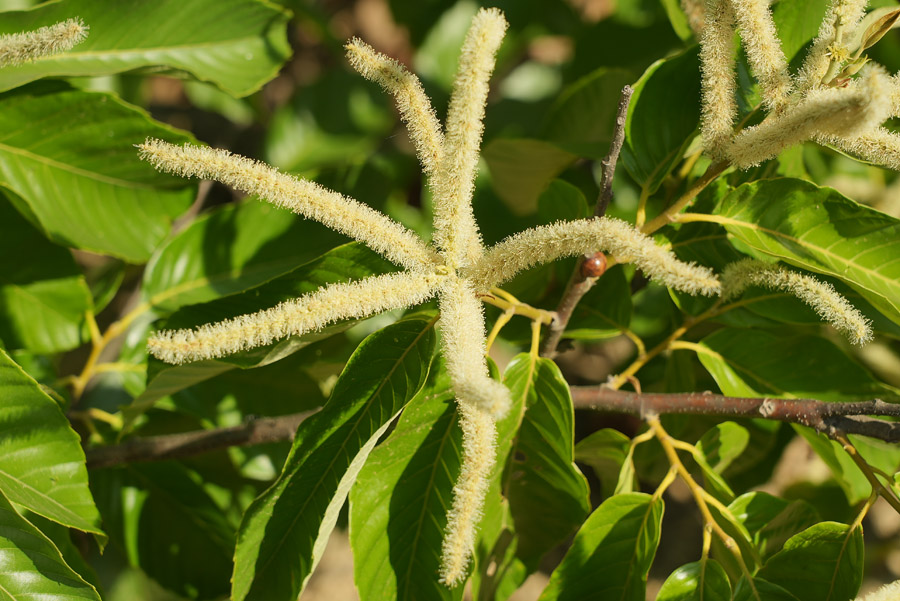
(831, 419)
(186, 444)
(581, 281)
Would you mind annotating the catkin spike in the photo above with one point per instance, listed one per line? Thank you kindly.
(879, 146)
(568, 238)
(821, 296)
(763, 49)
(456, 232)
(308, 313)
(18, 48)
(846, 14)
(888, 592)
(717, 60)
(345, 215)
(412, 103)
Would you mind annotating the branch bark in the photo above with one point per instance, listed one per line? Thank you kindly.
(831, 419)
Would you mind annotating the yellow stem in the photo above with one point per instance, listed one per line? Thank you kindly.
(498, 325)
(668, 216)
(642, 206)
(877, 487)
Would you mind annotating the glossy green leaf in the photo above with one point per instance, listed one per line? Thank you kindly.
(822, 563)
(772, 521)
(820, 230)
(606, 451)
(697, 581)
(521, 169)
(548, 495)
(232, 250)
(761, 591)
(43, 300)
(41, 461)
(284, 531)
(722, 444)
(236, 44)
(662, 118)
(32, 566)
(398, 506)
(611, 553)
(70, 157)
(797, 23)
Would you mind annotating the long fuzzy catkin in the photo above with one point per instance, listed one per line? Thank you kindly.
(462, 341)
(18, 48)
(764, 53)
(412, 103)
(847, 15)
(478, 445)
(820, 296)
(879, 146)
(717, 60)
(568, 238)
(456, 232)
(308, 313)
(888, 592)
(306, 198)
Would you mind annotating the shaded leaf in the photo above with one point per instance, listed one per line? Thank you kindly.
(521, 169)
(797, 23)
(697, 581)
(772, 521)
(606, 451)
(761, 591)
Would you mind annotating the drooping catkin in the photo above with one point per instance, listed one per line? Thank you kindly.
(879, 146)
(764, 53)
(456, 232)
(345, 215)
(717, 60)
(412, 103)
(888, 592)
(296, 317)
(820, 296)
(569, 238)
(18, 48)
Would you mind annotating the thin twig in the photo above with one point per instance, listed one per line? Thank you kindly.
(668, 216)
(580, 282)
(187, 444)
(831, 419)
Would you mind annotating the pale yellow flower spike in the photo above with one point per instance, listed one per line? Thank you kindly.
(18, 48)
(763, 49)
(821, 296)
(568, 238)
(309, 199)
(879, 146)
(414, 106)
(455, 230)
(308, 313)
(842, 17)
(717, 61)
(889, 592)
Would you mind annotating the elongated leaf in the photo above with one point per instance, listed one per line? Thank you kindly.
(32, 566)
(398, 506)
(236, 44)
(697, 581)
(41, 461)
(722, 444)
(662, 118)
(772, 521)
(548, 495)
(611, 553)
(284, 531)
(43, 299)
(70, 156)
(820, 230)
(822, 563)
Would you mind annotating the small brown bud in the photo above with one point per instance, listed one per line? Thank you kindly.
(595, 266)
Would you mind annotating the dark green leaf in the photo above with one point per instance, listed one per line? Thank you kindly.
(284, 531)
(797, 23)
(761, 591)
(697, 581)
(606, 451)
(605, 310)
(611, 553)
(770, 520)
(521, 170)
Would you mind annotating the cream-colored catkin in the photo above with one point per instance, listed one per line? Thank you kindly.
(18, 48)
(696, 15)
(888, 592)
(763, 49)
(820, 296)
(894, 87)
(456, 232)
(296, 317)
(345, 215)
(717, 86)
(412, 103)
(463, 344)
(815, 65)
(569, 238)
(478, 446)
(879, 146)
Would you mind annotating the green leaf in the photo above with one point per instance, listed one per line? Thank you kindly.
(548, 495)
(232, 250)
(797, 23)
(398, 506)
(611, 553)
(820, 230)
(521, 170)
(43, 299)
(822, 563)
(236, 44)
(32, 566)
(605, 311)
(662, 118)
(761, 591)
(169, 526)
(41, 461)
(606, 451)
(770, 520)
(70, 156)
(722, 444)
(284, 531)
(583, 116)
(697, 581)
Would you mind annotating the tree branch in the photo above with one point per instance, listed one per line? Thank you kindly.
(582, 279)
(831, 419)
(186, 444)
